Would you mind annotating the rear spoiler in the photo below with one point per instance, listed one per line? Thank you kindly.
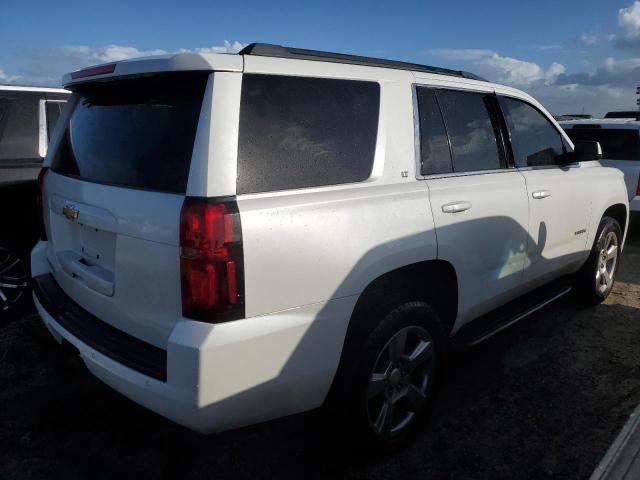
(156, 64)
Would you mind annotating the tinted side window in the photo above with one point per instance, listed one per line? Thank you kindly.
(19, 126)
(298, 132)
(473, 130)
(534, 140)
(435, 156)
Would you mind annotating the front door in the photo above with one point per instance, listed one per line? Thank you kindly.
(558, 195)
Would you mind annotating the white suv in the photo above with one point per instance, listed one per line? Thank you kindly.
(234, 238)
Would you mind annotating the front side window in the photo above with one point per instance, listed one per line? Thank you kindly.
(435, 155)
(298, 132)
(534, 140)
(473, 130)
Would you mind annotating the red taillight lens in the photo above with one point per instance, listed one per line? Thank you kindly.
(211, 260)
(40, 202)
(638, 187)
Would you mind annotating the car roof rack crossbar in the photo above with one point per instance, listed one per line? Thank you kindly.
(269, 50)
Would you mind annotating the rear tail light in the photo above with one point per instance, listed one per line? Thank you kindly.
(638, 187)
(40, 202)
(211, 260)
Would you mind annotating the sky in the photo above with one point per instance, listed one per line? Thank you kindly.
(573, 56)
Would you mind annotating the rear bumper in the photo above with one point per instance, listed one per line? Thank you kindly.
(222, 376)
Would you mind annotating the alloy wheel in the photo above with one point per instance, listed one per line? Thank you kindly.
(400, 380)
(607, 263)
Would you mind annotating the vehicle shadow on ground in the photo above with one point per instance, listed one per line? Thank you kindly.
(545, 397)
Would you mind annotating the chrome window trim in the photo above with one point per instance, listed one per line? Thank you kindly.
(42, 128)
(43, 131)
(416, 133)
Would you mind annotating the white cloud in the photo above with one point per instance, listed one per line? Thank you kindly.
(629, 21)
(110, 53)
(228, 47)
(6, 78)
(46, 66)
(460, 53)
(626, 65)
(577, 98)
(545, 48)
(503, 69)
(588, 40)
(611, 86)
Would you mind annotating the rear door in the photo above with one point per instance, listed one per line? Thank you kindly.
(113, 196)
(559, 195)
(479, 204)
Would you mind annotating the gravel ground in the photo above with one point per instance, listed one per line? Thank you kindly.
(543, 400)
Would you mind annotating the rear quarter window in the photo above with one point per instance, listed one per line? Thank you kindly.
(298, 132)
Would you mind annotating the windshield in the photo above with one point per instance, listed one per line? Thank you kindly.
(137, 132)
(617, 144)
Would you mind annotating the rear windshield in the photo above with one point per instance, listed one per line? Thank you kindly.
(136, 133)
(620, 144)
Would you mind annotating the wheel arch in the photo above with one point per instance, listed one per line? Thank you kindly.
(618, 212)
(432, 281)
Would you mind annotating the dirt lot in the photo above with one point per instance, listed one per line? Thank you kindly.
(543, 400)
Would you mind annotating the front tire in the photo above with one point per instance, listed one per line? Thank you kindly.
(595, 280)
(395, 374)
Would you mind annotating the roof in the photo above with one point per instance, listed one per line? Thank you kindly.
(234, 63)
(278, 51)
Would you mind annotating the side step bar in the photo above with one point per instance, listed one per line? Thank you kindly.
(494, 322)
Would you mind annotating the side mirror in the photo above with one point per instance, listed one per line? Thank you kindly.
(587, 150)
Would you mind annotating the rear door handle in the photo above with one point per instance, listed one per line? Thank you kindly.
(455, 207)
(540, 194)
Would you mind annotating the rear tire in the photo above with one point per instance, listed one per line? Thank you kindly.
(595, 280)
(392, 373)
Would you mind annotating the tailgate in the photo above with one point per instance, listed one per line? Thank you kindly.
(113, 197)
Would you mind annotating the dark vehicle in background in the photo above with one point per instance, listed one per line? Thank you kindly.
(632, 114)
(27, 118)
(619, 138)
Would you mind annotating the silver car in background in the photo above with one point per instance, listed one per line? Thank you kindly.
(620, 142)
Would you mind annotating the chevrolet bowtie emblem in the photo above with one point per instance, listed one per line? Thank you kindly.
(70, 212)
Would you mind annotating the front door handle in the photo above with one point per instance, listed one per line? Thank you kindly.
(540, 194)
(455, 207)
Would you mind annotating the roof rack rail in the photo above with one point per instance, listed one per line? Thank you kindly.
(269, 50)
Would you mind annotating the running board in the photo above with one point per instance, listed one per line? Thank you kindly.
(495, 322)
